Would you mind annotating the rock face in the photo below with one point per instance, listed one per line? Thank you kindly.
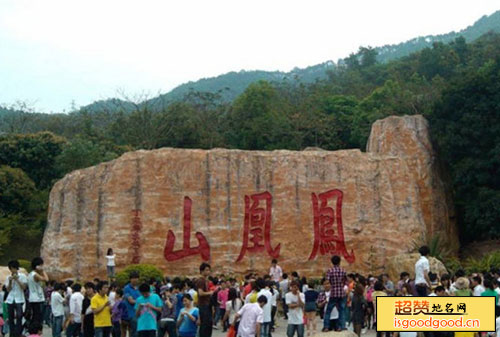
(238, 209)
(406, 262)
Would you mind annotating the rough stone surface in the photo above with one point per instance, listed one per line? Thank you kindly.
(392, 194)
(406, 262)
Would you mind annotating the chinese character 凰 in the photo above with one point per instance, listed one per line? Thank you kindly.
(461, 307)
(326, 240)
(420, 307)
(203, 247)
(257, 226)
(403, 308)
(449, 308)
(436, 308)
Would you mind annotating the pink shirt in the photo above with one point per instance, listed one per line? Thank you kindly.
(222, 297)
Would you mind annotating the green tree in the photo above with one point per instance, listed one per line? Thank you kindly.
(16, 191)
(80, 153)
(466, 126)
(35, 154)
(258, 119)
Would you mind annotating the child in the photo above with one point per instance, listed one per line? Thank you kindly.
(35, 329)
(310, 308)
(188, 318)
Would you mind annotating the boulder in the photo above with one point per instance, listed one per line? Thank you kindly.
(175, 208)
(406, 262)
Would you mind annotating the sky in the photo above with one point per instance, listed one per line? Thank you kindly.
(59, 53)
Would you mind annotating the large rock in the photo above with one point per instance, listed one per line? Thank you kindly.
(406, 262)
(367, 207)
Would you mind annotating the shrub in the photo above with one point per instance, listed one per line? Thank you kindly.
(477, 265)
(437, 246)
(146, 272)
(25, 264)
(452, 264)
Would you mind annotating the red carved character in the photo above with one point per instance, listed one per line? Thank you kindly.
(135, 236)
(258, 226)
(203, 247)
(325, 239)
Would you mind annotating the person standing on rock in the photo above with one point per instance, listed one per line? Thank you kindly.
(338, 279)
(275, 271)
(110, 263)
(16, 283)
(204, 295)
(36, 296)
(422, 268)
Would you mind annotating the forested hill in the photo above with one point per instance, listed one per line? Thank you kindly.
(488, 23)
(232, 84)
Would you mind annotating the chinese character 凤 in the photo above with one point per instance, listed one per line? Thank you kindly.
(436, 308)
(257, 226)
(403, 308)
(203, 247)
(420, 307)
(461, 307)
(327, 239)
(449, 308)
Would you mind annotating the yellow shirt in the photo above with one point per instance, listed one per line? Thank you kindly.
(465, 334)
(102, 319)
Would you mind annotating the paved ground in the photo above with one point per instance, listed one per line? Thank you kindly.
(281, 329)
(279, 332)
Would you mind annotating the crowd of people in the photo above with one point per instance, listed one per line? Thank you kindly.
(195, 307)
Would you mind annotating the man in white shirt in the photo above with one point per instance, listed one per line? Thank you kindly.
(275, 271)
(36, 295)
(264, 291)
(295, 301)
(16, 283)
(57, 306)
(75, 312)
(478, 289)
(252, 317)
(422, 268)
